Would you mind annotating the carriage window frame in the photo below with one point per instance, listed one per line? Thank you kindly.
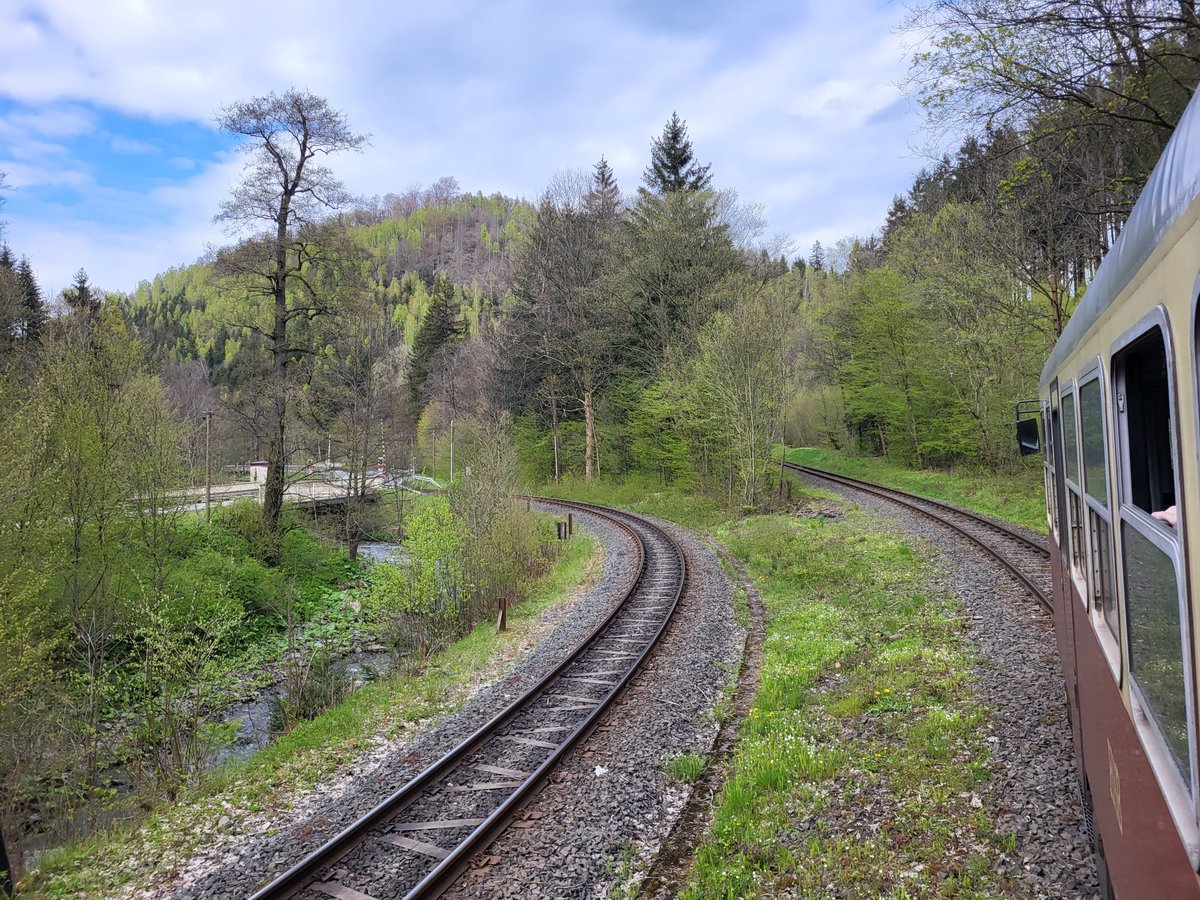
(1054, 441)
(1048, 470)
(1108, 633)
(1183, 799)
(1076, 520)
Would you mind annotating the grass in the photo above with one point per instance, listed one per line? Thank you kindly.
(153, 851)
(1017, 498)
(686, 767)
(859, 766)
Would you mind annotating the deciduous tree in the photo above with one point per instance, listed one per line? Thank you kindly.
(281, 202)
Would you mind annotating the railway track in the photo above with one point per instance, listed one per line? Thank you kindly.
(1027, 560)
(418, 840)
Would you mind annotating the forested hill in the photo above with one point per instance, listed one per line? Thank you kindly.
(402, 241)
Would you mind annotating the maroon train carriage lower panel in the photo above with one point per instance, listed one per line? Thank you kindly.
(1064, 633)
(1146, 858)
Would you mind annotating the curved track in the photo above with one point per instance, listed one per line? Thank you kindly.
(1026, 559)
(417, 841)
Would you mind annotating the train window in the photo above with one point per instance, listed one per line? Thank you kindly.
(1146, 398)
(1155, 647)
(1070, 443)
(1070, 449)
(1156, 614)
(1048, 471)
(1095, 478)
(1091, 414)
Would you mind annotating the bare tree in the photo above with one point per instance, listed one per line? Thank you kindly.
(280, 202)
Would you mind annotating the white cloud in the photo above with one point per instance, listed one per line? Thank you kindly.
(795, 112)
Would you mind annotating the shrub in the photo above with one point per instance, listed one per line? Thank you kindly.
(416, 604)
(209, 583)
(244, 530)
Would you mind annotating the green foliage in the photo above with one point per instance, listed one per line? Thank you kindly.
(416, 604)
(440, 326)
(210, 584)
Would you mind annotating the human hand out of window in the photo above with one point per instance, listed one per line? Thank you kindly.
(1167, 515)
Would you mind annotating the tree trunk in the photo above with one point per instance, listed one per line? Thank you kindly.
(276, 451)
(589, 452)
(554, 432)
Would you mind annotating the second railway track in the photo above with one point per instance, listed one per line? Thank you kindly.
(418, 840)
(1027, 559)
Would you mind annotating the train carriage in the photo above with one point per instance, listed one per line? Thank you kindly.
(1119, 413)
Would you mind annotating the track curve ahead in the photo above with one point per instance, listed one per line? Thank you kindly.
(418, 840)
(1026, 559)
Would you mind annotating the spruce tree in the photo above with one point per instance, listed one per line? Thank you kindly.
(816, 257)
(6, 258)
(80, 297)
(604, 199)
(673, 165)
(439, 328)
(34, 310)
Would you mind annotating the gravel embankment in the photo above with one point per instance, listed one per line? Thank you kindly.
(584, 821)
(1034, 789)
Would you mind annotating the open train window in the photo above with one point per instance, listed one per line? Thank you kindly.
(1157, 621)
(1054, 466)
(1095, 488)
(1048, 472)
(1146, 403)
(1070, 451)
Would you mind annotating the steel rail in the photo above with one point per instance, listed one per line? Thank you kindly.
(302, 874)
(898, 496)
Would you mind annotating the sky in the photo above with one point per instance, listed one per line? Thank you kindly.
(114, 162)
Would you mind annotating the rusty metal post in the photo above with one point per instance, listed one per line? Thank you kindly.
(570, 524)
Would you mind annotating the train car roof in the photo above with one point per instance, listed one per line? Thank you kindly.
(1169, 191)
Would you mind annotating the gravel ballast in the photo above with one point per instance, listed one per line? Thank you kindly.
(1034, 790)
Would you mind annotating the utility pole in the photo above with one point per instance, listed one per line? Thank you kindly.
(207, 465)
(452, 451)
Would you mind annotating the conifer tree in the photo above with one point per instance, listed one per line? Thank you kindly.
(816, 257)
(604, 198)
(6, 258)
(34, 312)
(80, 297)
(441, 325)
(673, 165)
